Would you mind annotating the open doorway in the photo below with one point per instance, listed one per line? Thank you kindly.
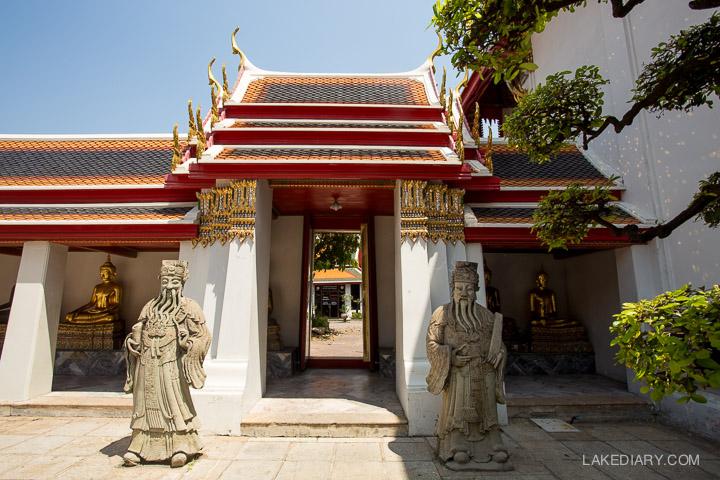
(336, 306)
(338, 330)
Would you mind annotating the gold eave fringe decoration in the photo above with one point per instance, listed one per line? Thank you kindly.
(227, 213)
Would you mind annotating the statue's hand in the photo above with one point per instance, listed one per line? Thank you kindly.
(460, 360)
(133, 346)
(496, 359)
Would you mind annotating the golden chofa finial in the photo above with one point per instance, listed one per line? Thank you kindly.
(475, 132)
(463, 82)
(214, 116)
(438, 50)
(176, 155)
(192, 129)
(460, 146)
(211, 78)
(225, 88)
(201, 141)
(442, 89)
(236, 50)
(449, 112)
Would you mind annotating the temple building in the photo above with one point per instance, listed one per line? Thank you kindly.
(239, 196)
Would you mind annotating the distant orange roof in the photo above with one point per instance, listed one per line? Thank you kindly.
(349, 275)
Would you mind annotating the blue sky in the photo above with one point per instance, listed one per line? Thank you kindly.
(92, 66)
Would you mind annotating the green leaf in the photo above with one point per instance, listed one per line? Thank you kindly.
(528, 66)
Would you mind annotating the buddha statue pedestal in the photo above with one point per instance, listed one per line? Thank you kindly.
(559, 339)
(91, 336)
(274, 344)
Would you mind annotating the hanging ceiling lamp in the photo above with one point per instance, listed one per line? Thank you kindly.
(335, 205)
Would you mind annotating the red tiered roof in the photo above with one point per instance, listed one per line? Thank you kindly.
(314, 136)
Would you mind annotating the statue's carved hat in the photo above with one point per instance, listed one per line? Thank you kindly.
(176, 268)
(466, 272)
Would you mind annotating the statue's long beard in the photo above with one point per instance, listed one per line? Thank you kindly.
(465, 315)
(167, 303)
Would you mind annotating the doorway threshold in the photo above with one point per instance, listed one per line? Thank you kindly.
(328, 403)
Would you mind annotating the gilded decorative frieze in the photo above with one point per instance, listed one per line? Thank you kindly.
(431, 211)
(413, 218)
(227, 213)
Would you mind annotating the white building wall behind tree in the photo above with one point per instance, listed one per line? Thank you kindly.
(662, 159)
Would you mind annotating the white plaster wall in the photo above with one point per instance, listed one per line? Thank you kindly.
(592, 295)
(661, 160)
(285, 273)
(138, 276)
(514, 275)
(385, 277)
(9, 265)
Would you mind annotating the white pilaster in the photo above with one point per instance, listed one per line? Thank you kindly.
(26, 366)
(235, 304)
(198, 264)
(413, 311)
(438, 267)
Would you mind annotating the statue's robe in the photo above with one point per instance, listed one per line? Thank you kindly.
(164, 420)
(468, 419)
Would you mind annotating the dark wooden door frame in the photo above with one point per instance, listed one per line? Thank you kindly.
(304, 294)
(309, 224)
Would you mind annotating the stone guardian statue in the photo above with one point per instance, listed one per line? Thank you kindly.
(165, 352)
(467, 359)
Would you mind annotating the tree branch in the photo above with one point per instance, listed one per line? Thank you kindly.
(651, 99)
(704, 4)
(705, 196)
(619, 10)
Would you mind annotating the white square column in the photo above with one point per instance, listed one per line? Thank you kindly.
(232, 287)
(26, 365)
(413, 308)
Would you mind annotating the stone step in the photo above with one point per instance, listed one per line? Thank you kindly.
(583, 409)
(317, 417)
(72, 404)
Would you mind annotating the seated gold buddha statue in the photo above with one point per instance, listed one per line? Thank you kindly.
(543, 305)
(104, 306)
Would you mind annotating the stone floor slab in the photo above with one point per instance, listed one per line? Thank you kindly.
(407, 452)
(252, 450)
(40, 444)
(349, 470)
(255, 469)
(309, 470)
(205, 469)
(303, 452)
(41, 466)
(362, 452)
(411, 471)
(222, 447)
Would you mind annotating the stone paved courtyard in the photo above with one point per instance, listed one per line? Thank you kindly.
(91, 448)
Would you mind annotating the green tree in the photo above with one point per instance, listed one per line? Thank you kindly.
(335, 250)
(684, 73)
